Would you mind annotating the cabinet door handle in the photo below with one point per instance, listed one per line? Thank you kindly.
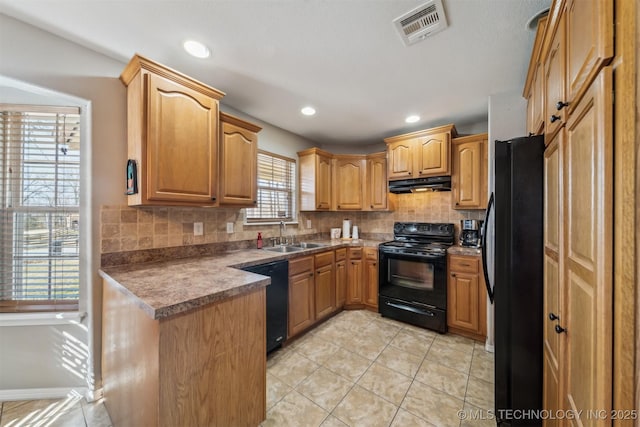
(409, 173)
(310, 274)
(559, 329)
(338, 206)
(255, 201)
(371, 206)
(465, 265)
(560, 105)
(554, 118)
(553, 317)
(420, 172)
(374, 264)
(453, 274)
(213, 198)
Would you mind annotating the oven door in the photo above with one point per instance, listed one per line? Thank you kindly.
(413, 278)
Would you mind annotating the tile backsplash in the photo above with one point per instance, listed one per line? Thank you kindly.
(125, 228)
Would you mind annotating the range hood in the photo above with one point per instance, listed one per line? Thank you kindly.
(415, 185)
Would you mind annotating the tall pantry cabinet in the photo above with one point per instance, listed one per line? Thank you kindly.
(573, 48)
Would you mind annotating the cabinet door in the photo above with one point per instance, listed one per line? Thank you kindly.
(377, 183)
(325, 291)
(239, 158)
(400, 157)
(589, 43)
(354, 282)
(463, 300)
(538, 99)
(555, 78)
(432, 155)
(469, 180)
(323, 182)
(588, 247)
(301, 295)
(371, 283)
(182, 137)
(341, 283)
(350, 178)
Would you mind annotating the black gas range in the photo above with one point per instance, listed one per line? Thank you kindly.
(413, 274)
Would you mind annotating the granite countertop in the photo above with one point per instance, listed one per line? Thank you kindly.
(463, 250)
(167, 288)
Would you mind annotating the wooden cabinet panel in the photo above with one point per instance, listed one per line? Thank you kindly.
(469, 179)
(181, 143)
(534, 85)
(323, 182)
(354, 282)
(400, 157)
(588, 190)
(341, 254)
(341, 283)
(589, 43)
(466, 297)
(376, 183)
(238, 161)
(350, 174)
(325, 291)
(315, 179)
(371, 278)
(301, 295)
(172, 134)
(555, 98)
(433, 155)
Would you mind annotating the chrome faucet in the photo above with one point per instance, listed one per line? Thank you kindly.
(283, 227)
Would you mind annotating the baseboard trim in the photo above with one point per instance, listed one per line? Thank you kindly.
(44, 393)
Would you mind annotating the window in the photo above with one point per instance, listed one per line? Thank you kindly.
(276, 189)
(39, 229)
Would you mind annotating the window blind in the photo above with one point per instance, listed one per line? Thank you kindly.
(39, 229)
(276, 189)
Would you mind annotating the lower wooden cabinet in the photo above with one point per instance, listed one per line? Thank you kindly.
(354, 278)
(324, 285)
(341, 277)
(370, 281)
(466, 297)
(301, 295)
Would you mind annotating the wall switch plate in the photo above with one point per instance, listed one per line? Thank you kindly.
(308, 223)
(229, 227)
(198, 229)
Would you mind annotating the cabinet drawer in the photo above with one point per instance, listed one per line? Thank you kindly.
(323, 259)
(464, 264)
(371, 253)
(341, 254)
(355, 253)
(300, 265)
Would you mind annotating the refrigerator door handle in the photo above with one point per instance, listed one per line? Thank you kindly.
(484, 249)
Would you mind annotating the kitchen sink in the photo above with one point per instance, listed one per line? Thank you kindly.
(284, 249)
(310, 245)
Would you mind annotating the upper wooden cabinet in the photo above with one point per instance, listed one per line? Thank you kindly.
(360, 182)
(469, 179)
(315, 180)
(172, 135)
(420, 154)
(238, 161)
(350, 179)
(534, 88)
(554, 73)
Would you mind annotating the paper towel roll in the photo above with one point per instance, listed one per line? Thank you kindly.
(346, 229)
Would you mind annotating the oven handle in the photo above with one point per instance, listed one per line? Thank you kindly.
(409, 308)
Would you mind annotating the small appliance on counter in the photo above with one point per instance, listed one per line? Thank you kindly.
(470, 233)
(335, 233)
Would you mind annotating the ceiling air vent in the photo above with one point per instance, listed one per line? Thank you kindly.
(421, 22)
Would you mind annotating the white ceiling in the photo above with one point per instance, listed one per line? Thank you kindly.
(344, 57)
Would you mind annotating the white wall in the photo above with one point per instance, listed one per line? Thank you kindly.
(30, 356)
(507, 120)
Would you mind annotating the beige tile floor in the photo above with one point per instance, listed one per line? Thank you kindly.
(356, 369)
(359, 369)
(72, 411)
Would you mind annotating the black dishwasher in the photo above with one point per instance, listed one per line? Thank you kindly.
(277, 300)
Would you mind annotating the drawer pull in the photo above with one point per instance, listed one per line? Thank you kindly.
(465, 265)
(453, 274)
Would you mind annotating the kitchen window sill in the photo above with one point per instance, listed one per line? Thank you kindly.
(41, 319)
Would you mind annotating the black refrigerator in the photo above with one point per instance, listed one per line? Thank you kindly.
(516, 291)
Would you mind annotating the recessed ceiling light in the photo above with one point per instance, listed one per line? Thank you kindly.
(196, 49)
(308, 111)
(412, 119)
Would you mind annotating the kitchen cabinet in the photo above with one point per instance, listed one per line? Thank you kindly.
(370, 279)
(469, 179)
(301, 295)
(354, 278)
(172, 135)
(341, 277)
(206, 366)
(534, 88)
(554, 66)
(238, 161)
(420, 154)
(350, 179)
(466, 297)
(376, 185)
(315, 177)
(324, 285)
